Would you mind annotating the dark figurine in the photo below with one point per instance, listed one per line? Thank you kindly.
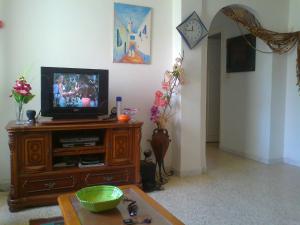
(31, 116)
(113, 112)
(148, 171)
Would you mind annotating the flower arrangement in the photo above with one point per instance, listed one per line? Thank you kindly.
(22, 95)
(161, 111)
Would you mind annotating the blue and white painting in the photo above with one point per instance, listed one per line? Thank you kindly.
(132, 34)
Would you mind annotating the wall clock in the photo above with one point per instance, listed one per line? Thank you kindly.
(192, 30)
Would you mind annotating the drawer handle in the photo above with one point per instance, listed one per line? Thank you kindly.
(108, 178)
(50, 185)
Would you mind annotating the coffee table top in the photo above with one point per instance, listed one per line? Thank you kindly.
(75, 214)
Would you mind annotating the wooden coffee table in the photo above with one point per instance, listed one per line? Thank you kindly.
(75, 214)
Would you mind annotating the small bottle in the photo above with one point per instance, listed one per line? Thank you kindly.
(119, 105)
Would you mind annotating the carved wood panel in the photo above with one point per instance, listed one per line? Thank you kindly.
(136, 153)
(35, 153)
(121, 151)
(13, 169)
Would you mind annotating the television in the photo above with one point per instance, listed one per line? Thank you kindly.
(240, 55)
(73, 92)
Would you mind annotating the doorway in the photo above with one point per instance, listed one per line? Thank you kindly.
(213, 88)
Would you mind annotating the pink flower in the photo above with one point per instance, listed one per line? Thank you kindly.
(165, 85)
(22, 87)
(21, 91)
(163, 102)
(158, 95)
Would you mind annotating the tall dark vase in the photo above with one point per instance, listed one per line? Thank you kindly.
(160, 143)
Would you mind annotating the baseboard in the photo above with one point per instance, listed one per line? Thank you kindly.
(246, 155)
(265, 161)
(188, 173)
(276, 161)
(291, 162)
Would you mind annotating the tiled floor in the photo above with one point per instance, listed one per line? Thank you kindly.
(234, 191)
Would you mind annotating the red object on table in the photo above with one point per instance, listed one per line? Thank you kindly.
(1, 24)
(123, 118)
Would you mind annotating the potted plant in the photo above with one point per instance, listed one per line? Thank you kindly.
(162, 111)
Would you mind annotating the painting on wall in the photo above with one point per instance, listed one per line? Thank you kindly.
(132, 34)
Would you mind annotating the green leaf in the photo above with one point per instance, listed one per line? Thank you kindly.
(176, 73)
(27, 98)
(16, 96)
(22, 98)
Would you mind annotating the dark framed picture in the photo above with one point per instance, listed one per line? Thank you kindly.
(240, 55)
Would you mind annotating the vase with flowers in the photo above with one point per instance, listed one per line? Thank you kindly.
(22, 95)
(162, 111)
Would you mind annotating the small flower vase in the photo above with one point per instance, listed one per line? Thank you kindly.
(19, 113)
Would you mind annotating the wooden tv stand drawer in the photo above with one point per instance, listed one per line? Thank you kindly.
(124, 176)
(48, 184)
(50, 159)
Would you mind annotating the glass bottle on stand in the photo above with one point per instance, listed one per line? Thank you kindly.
(119, 105)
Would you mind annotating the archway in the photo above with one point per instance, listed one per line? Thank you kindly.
(243, 127)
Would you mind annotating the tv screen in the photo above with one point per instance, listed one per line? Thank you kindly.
(240, 55)
(72, 92)
(75, 90)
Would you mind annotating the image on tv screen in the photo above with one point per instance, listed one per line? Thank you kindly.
(75, 90)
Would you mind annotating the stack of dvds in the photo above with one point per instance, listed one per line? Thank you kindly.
(65, 162)
(69, 142)
(90, 161)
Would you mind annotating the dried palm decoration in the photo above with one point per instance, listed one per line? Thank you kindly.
(278, 42)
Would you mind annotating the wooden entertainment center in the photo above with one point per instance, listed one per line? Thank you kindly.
(36, 177)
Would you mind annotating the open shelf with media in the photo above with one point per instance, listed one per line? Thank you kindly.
(78, 138)
(52, 158)
(79, 161)
(79, 148)
(78, 151)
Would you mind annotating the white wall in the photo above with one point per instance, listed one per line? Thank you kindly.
(79, 34)
(292, 119)
(277, 117)
(4, 99)
(192, 160)
(176, 123)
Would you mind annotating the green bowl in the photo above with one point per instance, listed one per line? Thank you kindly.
(99, 198)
